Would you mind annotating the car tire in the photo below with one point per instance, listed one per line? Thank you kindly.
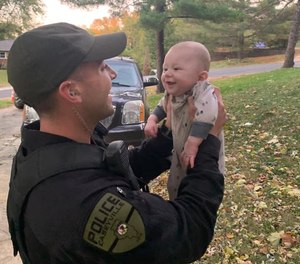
(18, 102)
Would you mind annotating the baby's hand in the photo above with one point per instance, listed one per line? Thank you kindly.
(190, 151)
(150, 129)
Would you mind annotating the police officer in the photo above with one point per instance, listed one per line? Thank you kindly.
(66, 203)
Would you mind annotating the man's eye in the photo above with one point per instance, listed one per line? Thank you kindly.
(108, 68)
(103, 67)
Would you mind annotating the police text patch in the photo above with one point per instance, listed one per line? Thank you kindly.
(114, 225)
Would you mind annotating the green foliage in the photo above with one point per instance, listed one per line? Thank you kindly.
(156, 14)
(261, 22)
(82, 3)
(8, 30)
(136, 40)
(17, 16)
(232, 24)
(213, 11)
(273, 25)
(153, 20)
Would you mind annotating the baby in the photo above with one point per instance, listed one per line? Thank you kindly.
(194, 107)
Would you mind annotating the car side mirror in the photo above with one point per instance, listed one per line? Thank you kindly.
(151, 81)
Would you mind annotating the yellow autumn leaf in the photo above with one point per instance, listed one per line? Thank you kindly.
(229, 235)
(284, 150)
(228, 251)
(275, 238)
(274, 140)
(263, 135)
(241, 260)
(257, 188)
(240, 182)
(262, 205)
(294, 192)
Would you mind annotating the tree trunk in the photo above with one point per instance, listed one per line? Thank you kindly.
(160, 58)
(293, 37)
(241, 43)
(160, 45)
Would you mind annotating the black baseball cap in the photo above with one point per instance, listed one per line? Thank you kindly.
(42, 58)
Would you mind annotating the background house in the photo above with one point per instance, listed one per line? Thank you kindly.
(5, 46)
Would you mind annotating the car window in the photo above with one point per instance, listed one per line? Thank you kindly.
(126, 74)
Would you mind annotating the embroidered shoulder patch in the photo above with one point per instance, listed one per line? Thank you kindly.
(114, 225)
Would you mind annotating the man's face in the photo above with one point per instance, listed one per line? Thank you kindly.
(94, 84)
(181, 71)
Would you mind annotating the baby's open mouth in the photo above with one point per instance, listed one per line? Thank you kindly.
(170, 83)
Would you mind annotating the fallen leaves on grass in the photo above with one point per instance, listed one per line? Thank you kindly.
(259, 219)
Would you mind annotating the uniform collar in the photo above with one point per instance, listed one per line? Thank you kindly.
(33, 138)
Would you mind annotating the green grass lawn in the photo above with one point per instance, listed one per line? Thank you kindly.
(259, 220)
(5, 103)
(3, 78)
(4, 82)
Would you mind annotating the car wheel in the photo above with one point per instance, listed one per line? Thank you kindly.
(18, 102)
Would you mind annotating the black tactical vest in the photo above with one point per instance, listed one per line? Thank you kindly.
(29, 171)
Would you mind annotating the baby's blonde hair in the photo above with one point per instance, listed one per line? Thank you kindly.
(201, 52)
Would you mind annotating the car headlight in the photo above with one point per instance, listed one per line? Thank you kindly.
(29, 115)
(133, 112)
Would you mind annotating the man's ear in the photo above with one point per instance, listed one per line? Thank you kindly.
(203, 75)
(69, 91)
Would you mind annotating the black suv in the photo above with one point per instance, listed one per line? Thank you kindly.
(129, 101)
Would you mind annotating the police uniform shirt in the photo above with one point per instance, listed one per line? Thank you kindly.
(94, 216)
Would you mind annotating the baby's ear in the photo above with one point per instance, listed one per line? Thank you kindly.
(203, 75)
